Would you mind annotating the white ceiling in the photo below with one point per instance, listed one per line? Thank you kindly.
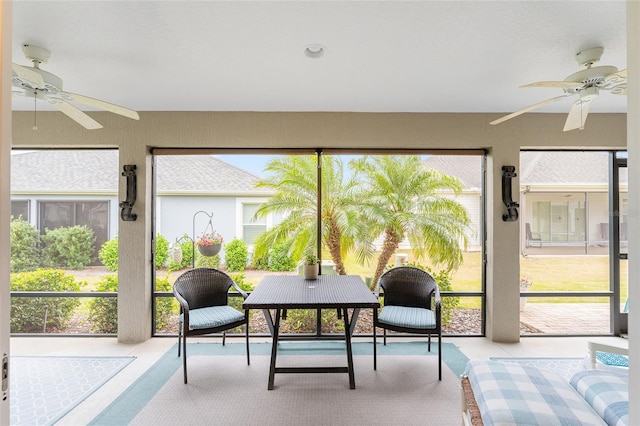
(413, 56)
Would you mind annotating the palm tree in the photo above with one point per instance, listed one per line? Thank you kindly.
(294, 181)
(404, 199)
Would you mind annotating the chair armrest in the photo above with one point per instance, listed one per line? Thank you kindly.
(594, 347)
(239, 290)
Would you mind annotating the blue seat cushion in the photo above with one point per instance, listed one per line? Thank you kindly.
(403, 316)
(609, 358)
(213, 316)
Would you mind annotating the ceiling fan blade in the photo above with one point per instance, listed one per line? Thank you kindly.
(75, 114)
(621, 73)
(28, 74)
(527, 109)
(560, 84)
(577, 115)
(116, 109)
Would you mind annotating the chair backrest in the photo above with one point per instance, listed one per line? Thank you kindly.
(528, 231)
(408, 286)
(203, 287)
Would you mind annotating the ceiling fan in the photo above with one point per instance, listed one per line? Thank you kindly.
(586, 83)
(33, 82)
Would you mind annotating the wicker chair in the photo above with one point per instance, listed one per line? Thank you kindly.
(411, 304)
(204, 309)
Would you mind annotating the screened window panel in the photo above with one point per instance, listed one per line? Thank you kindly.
(20, 209)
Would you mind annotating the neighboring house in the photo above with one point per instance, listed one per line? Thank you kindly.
(563, 196)
(55, 188)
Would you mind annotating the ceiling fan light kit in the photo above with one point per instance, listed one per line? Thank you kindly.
(586, 83)
(33, 82)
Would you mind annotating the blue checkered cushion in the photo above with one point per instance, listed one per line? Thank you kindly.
(213, 316)
(510, 393)
(607, 392)
(404, 316)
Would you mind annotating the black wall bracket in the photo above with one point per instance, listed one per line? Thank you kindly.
(127, 205)
(508, 173)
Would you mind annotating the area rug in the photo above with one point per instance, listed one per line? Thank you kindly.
(564, 367)
(44, 389)
(222, 389)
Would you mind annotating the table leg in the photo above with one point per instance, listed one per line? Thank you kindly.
(269, 319)
(274, 350)
(354, 319)
(347, 338)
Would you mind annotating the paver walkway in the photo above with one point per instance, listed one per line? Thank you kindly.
(567, 318)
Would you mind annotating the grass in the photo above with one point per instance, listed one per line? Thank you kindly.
(548, 273)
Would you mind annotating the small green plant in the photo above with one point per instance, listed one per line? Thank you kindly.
(25, 246)
(525, 283)
(279, 259)
(109, 254)
(236, 255)
(68, 247)
(28, 314)
(310, 259)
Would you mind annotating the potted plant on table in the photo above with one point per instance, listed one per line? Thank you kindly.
(209, 244)
(311, 266)
(525, 283)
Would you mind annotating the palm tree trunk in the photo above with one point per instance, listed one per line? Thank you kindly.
(389, 246)
(333, 243)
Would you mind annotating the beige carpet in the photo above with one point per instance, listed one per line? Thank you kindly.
(223, 390)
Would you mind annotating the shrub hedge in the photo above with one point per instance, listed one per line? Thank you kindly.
(28, 315)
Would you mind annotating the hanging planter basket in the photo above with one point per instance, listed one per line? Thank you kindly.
(209, 251)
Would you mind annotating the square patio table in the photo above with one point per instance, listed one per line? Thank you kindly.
(341, 292)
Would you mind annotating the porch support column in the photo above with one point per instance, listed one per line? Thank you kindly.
(134, 250)
(503, 245)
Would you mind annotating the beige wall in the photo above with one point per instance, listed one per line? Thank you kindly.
(320, 130)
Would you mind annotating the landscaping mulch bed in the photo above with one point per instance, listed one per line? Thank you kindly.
(463, 322)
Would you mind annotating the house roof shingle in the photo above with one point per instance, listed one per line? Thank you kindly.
(97, 170)
(536, 168)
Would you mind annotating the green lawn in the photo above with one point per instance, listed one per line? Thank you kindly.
(562, 273)
(566, 273)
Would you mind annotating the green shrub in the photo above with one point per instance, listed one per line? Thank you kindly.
(164, 305)
(279, 259)
(28, 314)
(109, 254)
(236, 255)
(68, 247)
(162, 251)
(261, 263)
(25, 246)
(304, 320)
(103, 311)
(207, 261)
